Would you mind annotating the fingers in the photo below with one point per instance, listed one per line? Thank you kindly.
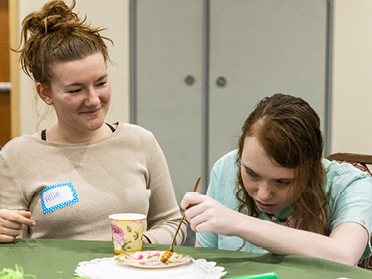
(9, 230)
(11, 224)
(198, 208)
(26, 214)
(192, 198)
(6, 238)
(206, 214)
(20, 217)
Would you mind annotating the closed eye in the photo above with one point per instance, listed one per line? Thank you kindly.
(74, 91)
(251, 173)
(283, 182)
(101, 83)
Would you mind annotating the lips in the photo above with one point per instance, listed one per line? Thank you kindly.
(265, 207)
(91, 111)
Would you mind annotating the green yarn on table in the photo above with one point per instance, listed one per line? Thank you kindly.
(8, 273)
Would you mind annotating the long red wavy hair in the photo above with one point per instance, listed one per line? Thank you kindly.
(288, 129)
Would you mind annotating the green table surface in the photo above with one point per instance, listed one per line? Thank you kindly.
(58, 258)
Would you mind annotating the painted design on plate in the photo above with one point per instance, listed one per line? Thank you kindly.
(151, 259)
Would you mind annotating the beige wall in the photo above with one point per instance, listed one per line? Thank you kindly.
(351, 83)
(112, 15)
(352, 77)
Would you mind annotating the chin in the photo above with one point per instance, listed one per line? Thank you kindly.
(93, 126)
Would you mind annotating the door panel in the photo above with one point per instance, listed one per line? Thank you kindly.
(258, 47)
(262, 47)
(169, 49)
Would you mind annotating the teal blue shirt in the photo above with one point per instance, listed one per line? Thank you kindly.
(349, 191)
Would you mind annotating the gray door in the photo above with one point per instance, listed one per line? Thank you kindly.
(258, 48)
(168, 83)
(199, 68)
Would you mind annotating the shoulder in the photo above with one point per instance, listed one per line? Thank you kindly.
(223, 179)
(227, 162)
(225, 169)
(135, 138)
(134, 132)
(18, 144)
(349, 192)
(19, 151)
(340, 176)
(133, 129)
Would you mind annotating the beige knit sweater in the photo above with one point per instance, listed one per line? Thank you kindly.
(123, 173)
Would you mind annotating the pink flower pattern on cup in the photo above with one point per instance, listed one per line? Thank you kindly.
(118, 235)
(137, 222)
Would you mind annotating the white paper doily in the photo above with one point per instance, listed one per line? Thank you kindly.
(107, 268)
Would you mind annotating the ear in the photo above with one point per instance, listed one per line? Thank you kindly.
(44, 93)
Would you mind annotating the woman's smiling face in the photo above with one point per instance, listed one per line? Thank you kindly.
(266, 182)
(80, 93)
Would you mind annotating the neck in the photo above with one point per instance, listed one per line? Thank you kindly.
(59, 134)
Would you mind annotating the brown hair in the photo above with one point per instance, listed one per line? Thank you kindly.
(56, 34)
(288, 129)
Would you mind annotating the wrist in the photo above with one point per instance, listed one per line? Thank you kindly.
(145, 239)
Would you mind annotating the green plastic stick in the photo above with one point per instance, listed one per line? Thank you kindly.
(271, 275)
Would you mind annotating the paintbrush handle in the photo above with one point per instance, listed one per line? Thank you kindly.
(183, 217)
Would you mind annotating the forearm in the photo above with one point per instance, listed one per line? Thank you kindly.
(345, 244)
(283, 240)
(163, 232)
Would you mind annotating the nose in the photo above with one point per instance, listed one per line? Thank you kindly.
(92, 98)
(264, 192)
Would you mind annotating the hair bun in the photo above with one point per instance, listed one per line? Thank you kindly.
(54, 16)
(56, 34)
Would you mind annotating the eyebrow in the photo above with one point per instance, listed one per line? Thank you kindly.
(248, 169)
(276, 179)
(79, 84)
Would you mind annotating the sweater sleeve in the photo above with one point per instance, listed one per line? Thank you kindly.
(164, 214)
(11, 196)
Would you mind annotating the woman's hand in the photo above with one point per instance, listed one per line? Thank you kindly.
(345, 244)
(206, 214)
(145, 239)
(11, 224)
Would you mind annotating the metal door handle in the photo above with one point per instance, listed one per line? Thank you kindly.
(190, 80)
(221, 81)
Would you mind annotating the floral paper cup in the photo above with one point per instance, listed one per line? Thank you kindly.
(127, 231)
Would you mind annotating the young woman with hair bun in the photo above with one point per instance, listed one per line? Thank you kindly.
(64, 181)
